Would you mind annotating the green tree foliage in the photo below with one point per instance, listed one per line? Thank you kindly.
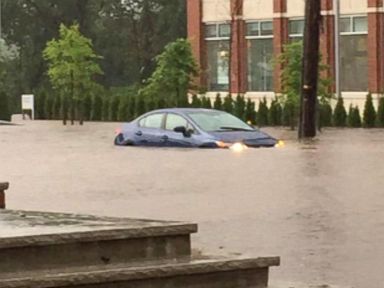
(4, 107)
(97, 107)
(275, 113)
(354, 119)
(172, 78)
(206, 102)
(262, 113)
(380, 113)
(196, 102)
(140, 107)
(72, 67)
(369, 113)
(291, 60)
(340, 114)
(250, 113)
(239, 109)
(325, 115)
(113, 108)
(218, 104)
(228, 104)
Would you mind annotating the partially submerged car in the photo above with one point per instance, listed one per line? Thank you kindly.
(192, 127)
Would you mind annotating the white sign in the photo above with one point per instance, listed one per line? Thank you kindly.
(27, 103)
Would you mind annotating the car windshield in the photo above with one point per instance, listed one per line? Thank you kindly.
(211, 121)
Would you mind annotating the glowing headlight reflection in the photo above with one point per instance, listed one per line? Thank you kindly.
(280, 144)
(238, 147)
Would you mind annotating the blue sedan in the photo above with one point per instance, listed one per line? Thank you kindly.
(191, 127)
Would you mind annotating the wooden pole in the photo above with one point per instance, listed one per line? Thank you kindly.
(310, 69)
(3, 187)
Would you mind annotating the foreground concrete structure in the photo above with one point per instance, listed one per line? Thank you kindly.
(64, 250)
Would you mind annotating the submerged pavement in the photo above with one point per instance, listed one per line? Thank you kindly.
(318, 205)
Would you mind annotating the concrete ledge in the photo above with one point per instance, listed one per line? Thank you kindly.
(33, 241)
(170, 271)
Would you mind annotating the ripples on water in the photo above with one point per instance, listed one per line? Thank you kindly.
(319, 205)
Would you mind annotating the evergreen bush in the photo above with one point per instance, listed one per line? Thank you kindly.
(325, 115)
(262, 113)
(340, 114)
(250, 113)
(4, 107)
(218, 104)
(380, 113)
(239, 107)
(196, 102)
(354, 119)
(275, 113)
(206, 102)
(228, 104)
(369, 113)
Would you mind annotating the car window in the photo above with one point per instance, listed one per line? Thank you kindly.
(174, 121)
(152, 121)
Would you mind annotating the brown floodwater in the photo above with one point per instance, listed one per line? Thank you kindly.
(318, 205)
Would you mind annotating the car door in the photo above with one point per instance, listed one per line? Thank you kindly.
(150, 130)
(177, 139)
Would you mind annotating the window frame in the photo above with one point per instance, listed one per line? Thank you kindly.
(149, 115)
(259, 36)
(218, 37)
(295, 35)
(189, 124)
(352, 26)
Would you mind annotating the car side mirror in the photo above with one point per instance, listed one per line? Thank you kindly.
(182, 129)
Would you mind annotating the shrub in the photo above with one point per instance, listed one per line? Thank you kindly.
(340, 114)
(206, 102)
(4, 107)
(250, 113)
(380, 113)
(275, 113)
(113, 108)
(228, 104)
(369, 112)
(354, 119)
(325, 115)
(262, 113)
(289, 115)
(218, 104)
(97, 107)
(239, 107)
(196, 102)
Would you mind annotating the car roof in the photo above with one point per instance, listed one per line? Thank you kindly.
(182, 110)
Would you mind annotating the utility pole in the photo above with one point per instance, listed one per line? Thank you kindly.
(310, 69)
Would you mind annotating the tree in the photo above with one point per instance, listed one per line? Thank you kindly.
(291, 61)
(240, 106)
(380, 113)
(262, 113)
(228, 104)
(275, 113)
(369, 113)
(250, 113)
(196, 102)
(218, 103)
(206, 102)
(173, 76)
(72, 67)
(4, 107)
(340, 114)
(354, 119)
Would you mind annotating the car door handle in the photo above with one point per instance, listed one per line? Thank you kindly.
(139, 133)
(164, 137)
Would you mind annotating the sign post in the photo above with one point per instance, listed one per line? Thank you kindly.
(27, 103)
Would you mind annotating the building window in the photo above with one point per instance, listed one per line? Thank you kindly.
(260, 54)
(296, 29)
(217, 39)
(353, 53)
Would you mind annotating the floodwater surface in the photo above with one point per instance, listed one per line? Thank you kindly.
(318, 205)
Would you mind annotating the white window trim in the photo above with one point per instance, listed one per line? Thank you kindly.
(217, 24)
(351, 17)
(259, 36)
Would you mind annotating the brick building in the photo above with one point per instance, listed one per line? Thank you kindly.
(260, 28)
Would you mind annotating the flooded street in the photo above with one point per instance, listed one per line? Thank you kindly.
(320, 205)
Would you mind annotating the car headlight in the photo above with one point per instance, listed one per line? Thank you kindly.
(280, 144)
(238, 147)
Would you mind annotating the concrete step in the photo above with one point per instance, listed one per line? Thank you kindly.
(39, 240)
(181, 273)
